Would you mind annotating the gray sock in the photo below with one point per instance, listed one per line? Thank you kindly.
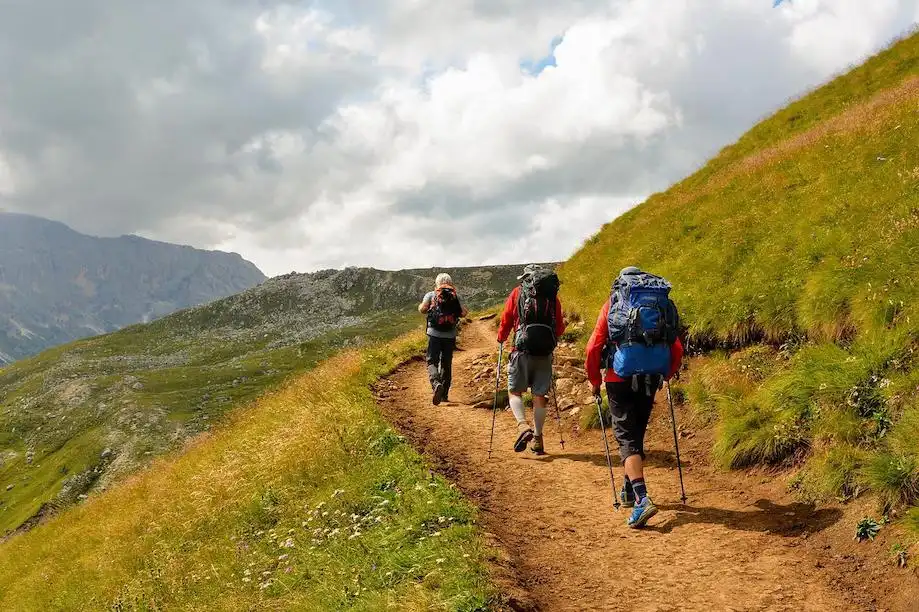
(539, 414)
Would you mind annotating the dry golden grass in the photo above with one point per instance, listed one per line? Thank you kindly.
(191, 531)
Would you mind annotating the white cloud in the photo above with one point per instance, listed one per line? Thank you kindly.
(395, 133)
(831, 35)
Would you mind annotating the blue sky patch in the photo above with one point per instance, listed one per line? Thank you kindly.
(535, 66)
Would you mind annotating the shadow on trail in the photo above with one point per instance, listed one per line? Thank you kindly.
(656, 458)
(789, 520)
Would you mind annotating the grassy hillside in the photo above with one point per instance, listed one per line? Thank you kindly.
(76, 418)
(307, 500)
(794, 255)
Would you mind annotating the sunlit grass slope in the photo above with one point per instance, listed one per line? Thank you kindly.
(138, 392)
(307, 500)
(796, 253)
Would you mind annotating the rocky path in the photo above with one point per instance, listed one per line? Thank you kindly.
(567, 549)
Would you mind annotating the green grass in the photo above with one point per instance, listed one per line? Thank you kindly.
(307, 500)
(793, 253)
(68, 404)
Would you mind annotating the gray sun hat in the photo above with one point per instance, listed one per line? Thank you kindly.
(629, 270)
(529, 270)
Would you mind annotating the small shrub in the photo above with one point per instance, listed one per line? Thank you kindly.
(895, 478)
(573, 335)
(867, 529)
(750, 433)
(679, 394)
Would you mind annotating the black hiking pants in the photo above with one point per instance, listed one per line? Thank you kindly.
(440, 361)
(630, 405)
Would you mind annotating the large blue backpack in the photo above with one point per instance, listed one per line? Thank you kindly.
(643, 323)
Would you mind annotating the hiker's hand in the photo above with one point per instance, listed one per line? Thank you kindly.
(596, 390)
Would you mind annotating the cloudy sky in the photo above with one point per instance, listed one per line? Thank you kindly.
(392, 133)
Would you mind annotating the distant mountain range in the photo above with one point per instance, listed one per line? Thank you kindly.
(57, 285)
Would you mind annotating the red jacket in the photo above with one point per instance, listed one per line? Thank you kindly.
(510, 318)
(598, 341)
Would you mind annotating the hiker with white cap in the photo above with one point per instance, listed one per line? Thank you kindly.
(534, 312)
(444, 311)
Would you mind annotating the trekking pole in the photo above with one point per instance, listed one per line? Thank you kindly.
(676, 443)
(558, 412)
(609, 462)
(494, 408)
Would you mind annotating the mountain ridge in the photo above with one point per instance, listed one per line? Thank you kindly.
(58, 285)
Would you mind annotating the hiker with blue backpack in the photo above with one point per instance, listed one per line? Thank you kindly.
(534, 313)
(444, 311)
(636, 341)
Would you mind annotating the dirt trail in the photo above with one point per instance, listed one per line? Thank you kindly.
(568, 549)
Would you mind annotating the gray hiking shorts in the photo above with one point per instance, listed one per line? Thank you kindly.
(529, 372)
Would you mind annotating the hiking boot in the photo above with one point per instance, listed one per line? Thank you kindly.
(526, 434)
(537, 446)
(642, 511)
(438, 393)
(627, 497)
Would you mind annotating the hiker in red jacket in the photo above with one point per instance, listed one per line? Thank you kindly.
(630, 401)
(534, 312)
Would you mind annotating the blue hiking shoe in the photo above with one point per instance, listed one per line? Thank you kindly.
(627, 497)
(642, 511)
